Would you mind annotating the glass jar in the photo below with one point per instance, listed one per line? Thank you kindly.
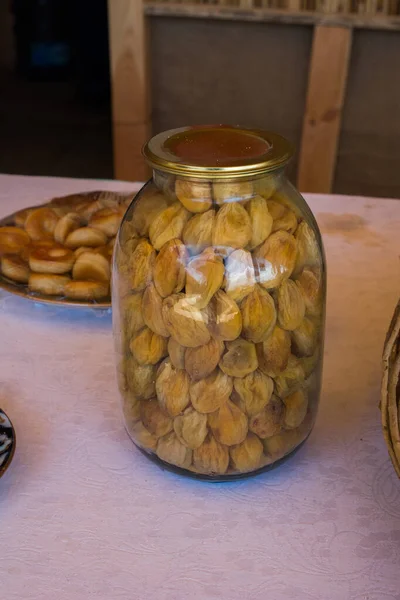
(218, 305)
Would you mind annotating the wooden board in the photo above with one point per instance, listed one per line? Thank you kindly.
(130, 87)
(325, 95)
(273, 14)
(128, 142)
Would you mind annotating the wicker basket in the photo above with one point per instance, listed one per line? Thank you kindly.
(390, 397)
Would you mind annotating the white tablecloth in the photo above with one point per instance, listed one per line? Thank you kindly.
(84, 515)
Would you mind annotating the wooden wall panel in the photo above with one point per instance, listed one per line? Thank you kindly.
(322, 118)
(130, 87)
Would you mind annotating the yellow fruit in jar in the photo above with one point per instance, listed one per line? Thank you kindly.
(240, 358)
(152, 311)
(186, 323)
(228, 424)
(172, 388)
(308, 254)
(145, 209)
(141, 265)
(295, 409)
(140, 379)
(204, 277)
(176, 354)
(305, 337)
(191, 428)
(309, 363)
(225, 317)
(211, 457)
(194, 195)
(291, 378)
(172, 451)
(141, 436)
(198, 232)
(227, 192)
(147, 347)
(268, 421)
(265, 186)
(168, 225)
(310, 285)
(261, 221)
(275, 259)
(277, 446)
(247, 455)
(170, 268)
(254, 390)
(201, 361)
(131, 311)
(209, 393)
(291, 306)
(283, 218)
(273, 354)
(232, 227)
(240, 277)
(154, 419)
(258, 315)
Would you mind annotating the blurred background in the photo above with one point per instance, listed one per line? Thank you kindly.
(324, 74)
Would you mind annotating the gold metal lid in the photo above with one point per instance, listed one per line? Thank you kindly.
(217, 152)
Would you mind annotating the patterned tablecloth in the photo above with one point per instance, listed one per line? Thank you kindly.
(84, 515)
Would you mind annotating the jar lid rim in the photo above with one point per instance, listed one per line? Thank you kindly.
(217, 151)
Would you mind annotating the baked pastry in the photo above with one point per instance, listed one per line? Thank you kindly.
(66, 225)
(56, 260)
(88, 209)
(86, 290)
(13, 240)
(107, 220)
(15, 267)
(41, 223)
(49, 285)
(85, 236)
(21, 216)
(91, 266)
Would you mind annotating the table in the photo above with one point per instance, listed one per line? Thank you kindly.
(84, 515)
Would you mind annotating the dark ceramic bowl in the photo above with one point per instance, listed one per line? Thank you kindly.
(7, 442)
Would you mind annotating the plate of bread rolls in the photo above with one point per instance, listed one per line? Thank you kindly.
(61, 252)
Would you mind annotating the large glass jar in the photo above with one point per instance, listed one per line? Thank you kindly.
(218, 305)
